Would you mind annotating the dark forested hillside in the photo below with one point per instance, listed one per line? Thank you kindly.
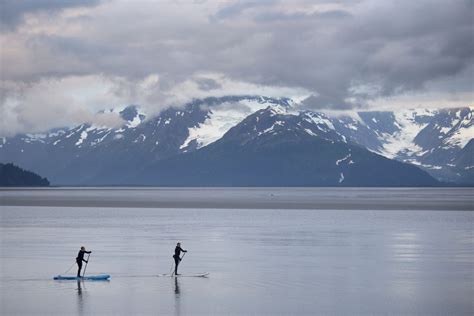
(13, 176)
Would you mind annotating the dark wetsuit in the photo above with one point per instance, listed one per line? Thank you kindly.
(79, 259)
(176, 257)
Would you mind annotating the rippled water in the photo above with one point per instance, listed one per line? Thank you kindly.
(262, 260)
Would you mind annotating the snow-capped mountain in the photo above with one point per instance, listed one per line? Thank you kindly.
(223, 114)
(90, 155)
(437, 141)
(431, 139)
(270, 148)
(76, 154)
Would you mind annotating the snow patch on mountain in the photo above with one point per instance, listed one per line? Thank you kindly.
(140, 138)
(35, 138)
(343, 159)
(84, 135)
(416, 163)
(272, 128)
(319, 119)
(56, 133)
(70, 134)
(99, 140)
(464, 133)
(279, 110)
(403, 139)
(310, 132)
(81, 138)
(462, 136)
(135, 122)
(223, 117)
(341, 177)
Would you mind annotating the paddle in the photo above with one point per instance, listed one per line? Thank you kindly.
(89, 255)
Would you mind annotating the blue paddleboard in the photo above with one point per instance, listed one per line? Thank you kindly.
(99, 277)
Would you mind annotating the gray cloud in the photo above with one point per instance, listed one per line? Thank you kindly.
(324, 102)
(208, 84)
(238, 7)
(346, 53)
(280, 16)
(12, 11)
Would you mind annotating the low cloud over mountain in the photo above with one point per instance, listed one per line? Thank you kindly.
(61, 58)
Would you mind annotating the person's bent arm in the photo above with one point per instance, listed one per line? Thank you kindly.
(89, 252)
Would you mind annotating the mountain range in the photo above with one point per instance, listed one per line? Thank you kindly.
(255, 141)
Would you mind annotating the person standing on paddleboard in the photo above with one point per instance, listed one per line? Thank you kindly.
(177, 257)
(80, 258)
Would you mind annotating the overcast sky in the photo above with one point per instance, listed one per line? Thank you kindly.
(63, 60)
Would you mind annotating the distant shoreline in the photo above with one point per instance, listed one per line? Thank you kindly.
(455, 199)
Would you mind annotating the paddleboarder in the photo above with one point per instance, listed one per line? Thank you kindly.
(177, 257)
(80, 258)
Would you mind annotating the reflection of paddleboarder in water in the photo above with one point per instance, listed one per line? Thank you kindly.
(176, 286)
(80, 298)
(177, 257)
(79, 288)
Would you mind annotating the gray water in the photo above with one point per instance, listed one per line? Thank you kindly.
(271, 251)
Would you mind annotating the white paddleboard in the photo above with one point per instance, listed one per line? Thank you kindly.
(195, 275)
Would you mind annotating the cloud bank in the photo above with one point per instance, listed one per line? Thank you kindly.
(62, 58)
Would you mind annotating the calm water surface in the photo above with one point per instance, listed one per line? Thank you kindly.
(318, 259)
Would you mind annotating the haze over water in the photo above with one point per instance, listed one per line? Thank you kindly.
(269, 251)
